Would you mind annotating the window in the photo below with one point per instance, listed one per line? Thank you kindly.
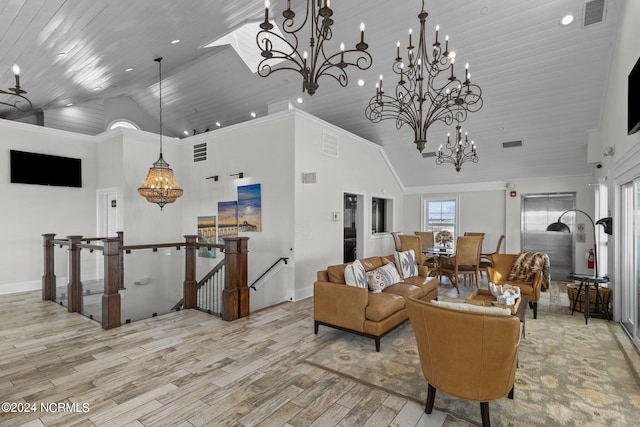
(381, 215)
(440, 215)
(123, 123)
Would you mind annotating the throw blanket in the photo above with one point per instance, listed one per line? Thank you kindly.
(527, 264)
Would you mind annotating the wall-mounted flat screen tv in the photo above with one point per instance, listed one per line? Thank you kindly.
(634, 100)
(45, 169)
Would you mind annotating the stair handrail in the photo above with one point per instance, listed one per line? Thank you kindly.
(286, 261)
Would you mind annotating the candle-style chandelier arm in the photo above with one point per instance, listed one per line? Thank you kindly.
(459, 151)
(17, 101)
(313, 62)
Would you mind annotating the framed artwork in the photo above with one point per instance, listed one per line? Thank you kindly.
(227, 220)
(207, 234)
(249, 208)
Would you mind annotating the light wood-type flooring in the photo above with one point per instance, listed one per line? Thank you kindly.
(185, 368)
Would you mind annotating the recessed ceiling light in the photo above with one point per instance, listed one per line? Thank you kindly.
(361, 82)
(69, 104)
(253, 114)
(126, 70)
(218, 124)
(175, 41)
(567, 20)
(186, 132)
(97, 88)
(62, 53)
(299, 100)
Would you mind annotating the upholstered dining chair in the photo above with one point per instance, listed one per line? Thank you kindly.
(486, 259)
(408, 241)
(473, 233)
(446, 337)
(427, 239)
(466, 261)
(396, 240)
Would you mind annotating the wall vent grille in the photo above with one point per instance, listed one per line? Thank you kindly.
(593, 12)
(329, 145)
(512, 144)
(429, 154)
(200, 152)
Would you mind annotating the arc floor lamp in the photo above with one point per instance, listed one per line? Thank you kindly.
(606, 223)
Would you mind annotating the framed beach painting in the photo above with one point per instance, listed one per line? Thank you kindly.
(207, 234)
(227, 220)
(249, 208)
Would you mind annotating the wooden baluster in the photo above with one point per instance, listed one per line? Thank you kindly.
(111, 296)
(190, 285)
(74, 287)
(49, 277)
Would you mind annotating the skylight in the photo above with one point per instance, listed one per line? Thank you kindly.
(243, 41)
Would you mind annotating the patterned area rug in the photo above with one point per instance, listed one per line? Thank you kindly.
(570, 374)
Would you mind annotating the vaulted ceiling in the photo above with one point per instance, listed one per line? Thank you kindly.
(543, 83)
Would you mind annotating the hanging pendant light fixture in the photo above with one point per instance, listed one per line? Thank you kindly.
(427, 90)
(16, 98)
(160, 187)
(460, 151)
(314, 62)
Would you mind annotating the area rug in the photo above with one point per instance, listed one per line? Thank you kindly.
(570, 374)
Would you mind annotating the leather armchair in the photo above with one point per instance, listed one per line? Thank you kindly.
(468, 355)
(499, 273)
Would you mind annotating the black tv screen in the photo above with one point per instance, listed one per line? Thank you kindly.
(45, 169)
(634, 100)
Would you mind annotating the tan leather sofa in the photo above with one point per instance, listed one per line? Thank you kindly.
(360, 311)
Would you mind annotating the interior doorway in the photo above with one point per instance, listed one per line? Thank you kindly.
(107, 207)
(353, 226)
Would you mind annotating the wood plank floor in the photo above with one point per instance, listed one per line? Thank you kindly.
(185, 368)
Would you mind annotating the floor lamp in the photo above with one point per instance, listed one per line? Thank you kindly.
(606, 223)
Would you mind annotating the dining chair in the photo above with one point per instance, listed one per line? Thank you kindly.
(396, 240)
(408, 241)
(428, 242)
(486, 260)
(466, 261)
(473, 233)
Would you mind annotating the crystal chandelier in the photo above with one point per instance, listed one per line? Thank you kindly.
(460, 151)
(427, 90)
(314, 61)
(16, 98)
(160, 186)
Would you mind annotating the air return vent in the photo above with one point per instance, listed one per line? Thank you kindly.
(329, 145)
(593, 12)
(429, 154)
(512, 144)
(200, 152)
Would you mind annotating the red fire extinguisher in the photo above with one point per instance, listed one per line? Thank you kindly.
(590, 259)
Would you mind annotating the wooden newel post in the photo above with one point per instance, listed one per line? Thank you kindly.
(244, 306)
(74, 287)
(48, 278)
(111, 296)
(121, 259)
(190, 286)
(235, 296)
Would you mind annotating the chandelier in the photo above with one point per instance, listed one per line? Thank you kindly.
(314, 62)
(16, 98)
(160, 186)
(427, 90)
(460, 151)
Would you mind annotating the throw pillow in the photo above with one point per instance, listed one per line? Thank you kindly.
(461, 306)
(406, 263)
(355, 275)
(525, 267)
(382, 277)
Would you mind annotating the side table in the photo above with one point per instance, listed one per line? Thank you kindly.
(585, 282)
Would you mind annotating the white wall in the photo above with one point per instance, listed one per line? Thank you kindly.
(361, 167)
(28, 211)
(263, 150)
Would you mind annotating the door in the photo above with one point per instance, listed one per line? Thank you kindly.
(538, 211)
(350, 227)
(629, 266)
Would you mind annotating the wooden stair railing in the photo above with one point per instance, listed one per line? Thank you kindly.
(209, 290)
(235, 296)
